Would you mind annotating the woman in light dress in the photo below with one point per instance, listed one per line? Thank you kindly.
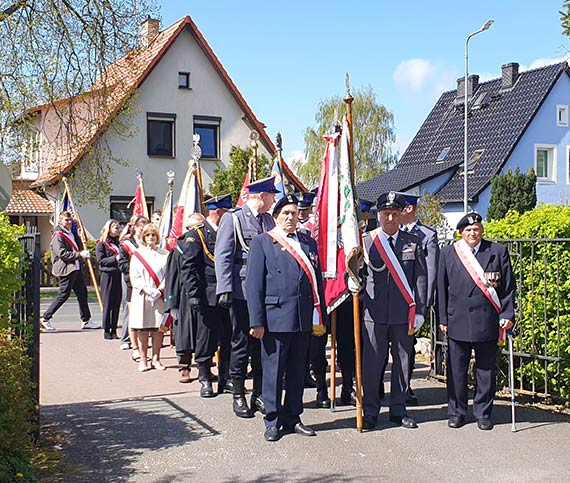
(146, 310)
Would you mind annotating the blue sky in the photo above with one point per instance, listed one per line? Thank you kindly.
(285, 57)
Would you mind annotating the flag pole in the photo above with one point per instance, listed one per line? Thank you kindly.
(253, 136)
(83, 239)
(356, 307)
(141, 185)
(196, 155)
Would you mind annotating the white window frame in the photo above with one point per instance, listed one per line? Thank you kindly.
(562, 115)
(552, 163)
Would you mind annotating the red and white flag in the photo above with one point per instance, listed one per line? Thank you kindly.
(140, 207)
(188, 203)
(243, 194)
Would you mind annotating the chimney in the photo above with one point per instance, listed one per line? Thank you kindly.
(510, 73)
(472, 85)
(150, 28)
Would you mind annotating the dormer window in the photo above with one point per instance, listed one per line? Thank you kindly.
(474, 159)
(442, 155)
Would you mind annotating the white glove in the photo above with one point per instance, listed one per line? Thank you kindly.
(174, 313)
(154, 294)
(84, 253)
(353, 286)
(418, 322)
(118, 257)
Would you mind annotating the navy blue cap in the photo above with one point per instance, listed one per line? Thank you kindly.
(469, 219)
(265, 185)
(365, 205)
(286, 200)
(391, 201)
(221, 201)
(410, 198)
(305, 200)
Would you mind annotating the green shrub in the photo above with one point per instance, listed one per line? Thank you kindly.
(16, 409)
(542, 271)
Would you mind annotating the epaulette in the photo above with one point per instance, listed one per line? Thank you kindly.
(234, 209)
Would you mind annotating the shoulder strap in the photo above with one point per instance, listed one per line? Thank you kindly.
(238, 234)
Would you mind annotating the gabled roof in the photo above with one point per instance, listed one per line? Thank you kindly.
(122, 77)
(27, 202)
(496, 126)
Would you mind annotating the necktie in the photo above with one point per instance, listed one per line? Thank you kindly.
(291, 235)
(473, 251)
(391, 242)
(260, 221)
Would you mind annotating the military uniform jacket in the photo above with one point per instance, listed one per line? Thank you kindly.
(63, 256)
(231, 256)
(198, 273)
(428, 237)
(383, 301)
(465, 310)
(279, 293)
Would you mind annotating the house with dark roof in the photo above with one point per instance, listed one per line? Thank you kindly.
(173, 85)
(520, 120)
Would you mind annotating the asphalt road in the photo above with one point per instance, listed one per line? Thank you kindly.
(125, 426)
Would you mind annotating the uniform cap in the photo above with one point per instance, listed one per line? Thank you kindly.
(221, 201)
(305, 200)
(469, 219)
(365, 205)
(391, 201)
(410, 198)
(286, 200)
(265, 185)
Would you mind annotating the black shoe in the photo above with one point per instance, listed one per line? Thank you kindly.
(108, 336)
(271, 434)
(257, 404)
(206, 390)
(484, 424)
(323, 402)
(114, 336)
(456, 422)
(412, 399)
(241, 409)
(301, 429)
(226, 387)
(348, 398)
(404, 421)
(369, 422)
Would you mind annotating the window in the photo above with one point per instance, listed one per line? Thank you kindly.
(474, 159)
(545, 163)
(160, 134)
(442, 155)
(209, 130)
(184, 80)
(122, 212)
(562, 116)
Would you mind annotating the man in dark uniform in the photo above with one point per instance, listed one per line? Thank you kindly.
(428, 236)
(476, 297)
(285, 299)
(237, 228)
(394, 304)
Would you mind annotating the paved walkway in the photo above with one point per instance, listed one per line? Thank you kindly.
(122, 426)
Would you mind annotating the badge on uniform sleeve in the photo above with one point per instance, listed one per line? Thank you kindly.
(190, 239)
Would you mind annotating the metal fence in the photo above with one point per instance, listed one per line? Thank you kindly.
(542, 320)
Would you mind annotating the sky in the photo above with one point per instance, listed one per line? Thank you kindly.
(286, 57)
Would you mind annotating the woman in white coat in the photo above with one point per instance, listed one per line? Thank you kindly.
(147, 306)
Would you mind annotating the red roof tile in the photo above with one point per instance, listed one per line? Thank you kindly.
(27, 202)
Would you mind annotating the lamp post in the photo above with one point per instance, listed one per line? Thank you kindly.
(486, 26)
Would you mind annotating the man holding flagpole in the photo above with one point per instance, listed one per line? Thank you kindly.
(66, 260)
(394, 305)
(476, 300)
(286, 305)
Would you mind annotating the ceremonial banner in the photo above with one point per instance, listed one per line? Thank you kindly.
(76, 225)
(279, 184)
(242, 198)
(188, 203)
(140, 207)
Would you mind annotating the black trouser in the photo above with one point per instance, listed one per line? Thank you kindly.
(74, 281)
(207, 330)
(282, 352)
(318, 353)
(111, 292)
(345, 338)
(243, 345)
(224, 340)
(458, 357)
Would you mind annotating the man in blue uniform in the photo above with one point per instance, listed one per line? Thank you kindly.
(394, 304)
(237, 228)
(285, 299)
(476, 298)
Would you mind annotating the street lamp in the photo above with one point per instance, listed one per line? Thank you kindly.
(488, 24)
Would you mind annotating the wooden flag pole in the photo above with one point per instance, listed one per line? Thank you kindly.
(196, 155)
(356, 307)
(83, 239)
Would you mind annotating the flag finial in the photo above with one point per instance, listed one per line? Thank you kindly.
(196, 149)
(348, 98)
(279, 141)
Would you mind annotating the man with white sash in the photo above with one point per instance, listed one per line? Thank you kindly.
(285, 301)
(476, 298)
(394, 305)
(66, 258)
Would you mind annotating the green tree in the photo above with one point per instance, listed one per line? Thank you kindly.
(430, 212)
(59, 49)
(373, 130)
(230, 179)
(511, 191)
(565, 17)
